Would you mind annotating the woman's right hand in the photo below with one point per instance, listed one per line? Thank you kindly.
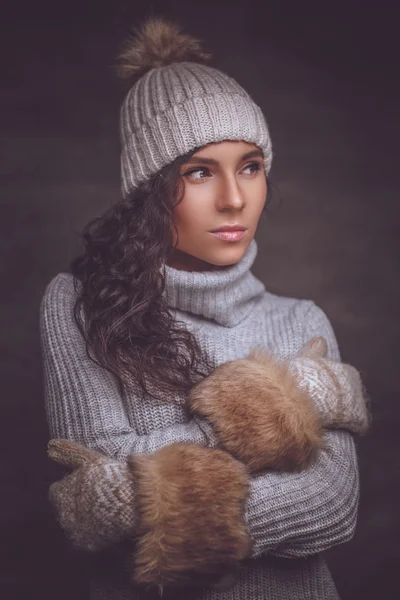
(183, 506)
(191, 528)
(95, 504)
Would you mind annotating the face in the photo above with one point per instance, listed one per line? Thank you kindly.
(225, 184)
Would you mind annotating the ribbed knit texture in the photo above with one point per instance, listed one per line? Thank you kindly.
(174, 109)
(292, 516)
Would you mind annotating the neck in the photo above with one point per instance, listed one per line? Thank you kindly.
(225, 295)
(182, 261)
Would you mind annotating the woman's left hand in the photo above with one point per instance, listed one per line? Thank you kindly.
(260, 413)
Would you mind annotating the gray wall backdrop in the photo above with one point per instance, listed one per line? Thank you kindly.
(326, 77)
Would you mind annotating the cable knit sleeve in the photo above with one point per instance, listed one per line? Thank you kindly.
(295, 515)
(83, 402)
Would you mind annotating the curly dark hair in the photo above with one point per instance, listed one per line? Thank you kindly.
(120, 308)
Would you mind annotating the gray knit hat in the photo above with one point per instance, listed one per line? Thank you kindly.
(179, 104)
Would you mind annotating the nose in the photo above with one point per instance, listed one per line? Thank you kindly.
(230, 195)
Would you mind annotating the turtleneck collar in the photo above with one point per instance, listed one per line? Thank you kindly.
(226, 295)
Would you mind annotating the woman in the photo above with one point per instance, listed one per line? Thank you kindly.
(163, 296)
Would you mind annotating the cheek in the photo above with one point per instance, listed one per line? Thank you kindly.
(263, 187)
(192, 211)
(257, 196)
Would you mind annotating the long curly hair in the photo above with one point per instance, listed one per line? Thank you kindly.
(119, 280)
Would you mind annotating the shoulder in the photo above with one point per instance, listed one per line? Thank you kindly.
(61, 284)
(301, 319)
(303, 309)
(58, 300)
(59, 290)
(295, 309)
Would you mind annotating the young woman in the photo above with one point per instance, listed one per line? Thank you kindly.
(162, 298)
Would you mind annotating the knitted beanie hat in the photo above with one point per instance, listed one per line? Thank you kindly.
(179, 104)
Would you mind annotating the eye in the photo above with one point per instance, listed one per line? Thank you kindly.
(196, 174)
(255, 168)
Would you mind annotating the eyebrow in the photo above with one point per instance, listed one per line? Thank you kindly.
(212, 161)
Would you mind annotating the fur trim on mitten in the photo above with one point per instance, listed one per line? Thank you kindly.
(190, 510)
(95, 503)
(259, 412)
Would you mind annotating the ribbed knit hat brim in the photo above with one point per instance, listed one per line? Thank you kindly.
(177, 108)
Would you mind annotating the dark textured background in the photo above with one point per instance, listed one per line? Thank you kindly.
(326, 76)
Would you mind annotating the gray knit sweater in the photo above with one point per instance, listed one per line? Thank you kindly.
(292, 518)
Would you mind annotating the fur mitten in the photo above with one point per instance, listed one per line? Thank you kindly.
(269, 413)
(190, 510)
(260, 414)
(95, 504)
(181, 508)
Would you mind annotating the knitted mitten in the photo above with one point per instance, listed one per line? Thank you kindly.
(336, 388)
(269, 413)
(95, 504)
(190, 512)
(183, 509)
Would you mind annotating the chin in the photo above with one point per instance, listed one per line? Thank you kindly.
(203, 256)
(231, 254)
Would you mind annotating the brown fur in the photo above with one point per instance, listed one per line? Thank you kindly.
(190, 510)
(156, 44)
(259, 412)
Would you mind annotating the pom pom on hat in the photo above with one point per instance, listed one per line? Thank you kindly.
(158, 43)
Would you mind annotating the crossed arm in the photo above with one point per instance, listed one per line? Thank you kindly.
(288, 514)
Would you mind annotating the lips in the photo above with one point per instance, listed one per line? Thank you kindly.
(230, 236)
(229, 228)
